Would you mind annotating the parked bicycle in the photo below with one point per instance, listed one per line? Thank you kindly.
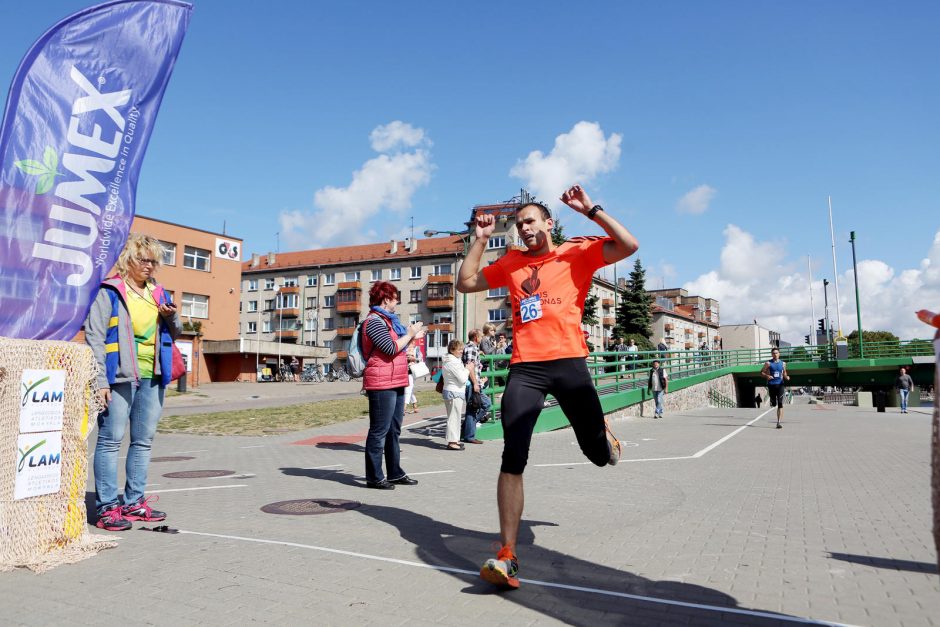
(311, 374)
(338, 373)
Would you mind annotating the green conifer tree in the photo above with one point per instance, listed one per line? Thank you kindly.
(634, 315)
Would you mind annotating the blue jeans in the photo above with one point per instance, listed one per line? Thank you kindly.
(141, 406)
(658, 397)
(904, 394)
(386, 413)
(469, 430)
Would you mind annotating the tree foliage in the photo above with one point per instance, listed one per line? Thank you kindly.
(872, 336)
(634, 315)
(558, 234)
(589, 315)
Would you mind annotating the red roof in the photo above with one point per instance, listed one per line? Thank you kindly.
(342, 255)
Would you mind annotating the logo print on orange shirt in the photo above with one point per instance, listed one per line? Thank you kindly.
(530, 285)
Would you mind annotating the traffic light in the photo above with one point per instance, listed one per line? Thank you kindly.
(806, 339)
(822, 325)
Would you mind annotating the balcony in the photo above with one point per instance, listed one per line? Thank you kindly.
(287, 334)
(345, 331)
(607, 302)
(342, 354)
(441, 278)
(609, 321)
(288, 312)
(349, 285)
(443, 327)
(669, 326)
(348, 306)
(441, 303)
(292, 289)
(701, 333)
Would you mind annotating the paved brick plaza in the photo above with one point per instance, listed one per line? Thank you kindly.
(827, 519)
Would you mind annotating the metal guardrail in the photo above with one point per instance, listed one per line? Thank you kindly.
(614, 372)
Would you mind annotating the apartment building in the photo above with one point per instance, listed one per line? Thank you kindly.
(685, 322)
(317, 297)
(750, 336)
(201, 270)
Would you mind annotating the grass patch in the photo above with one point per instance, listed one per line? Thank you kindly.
(265, 421)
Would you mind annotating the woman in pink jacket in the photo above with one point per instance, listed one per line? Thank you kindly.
(385, 378)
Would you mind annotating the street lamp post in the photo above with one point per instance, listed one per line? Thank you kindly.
(858, 304)
(465, 240)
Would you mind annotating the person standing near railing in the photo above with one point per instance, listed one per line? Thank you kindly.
(904, 384)
(658, 384)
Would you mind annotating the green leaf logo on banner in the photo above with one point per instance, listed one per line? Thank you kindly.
(47, 170)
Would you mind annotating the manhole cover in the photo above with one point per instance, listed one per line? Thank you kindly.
(198, 474)
(171, 458)
(306, 507)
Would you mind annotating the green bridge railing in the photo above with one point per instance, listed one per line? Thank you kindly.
(619, 372)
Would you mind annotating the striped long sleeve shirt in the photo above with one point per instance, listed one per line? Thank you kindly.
(377, 330)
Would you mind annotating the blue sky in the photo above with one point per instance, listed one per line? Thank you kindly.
(751, 111)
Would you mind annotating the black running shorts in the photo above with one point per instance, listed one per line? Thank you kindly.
(775, 394)
(569, 381)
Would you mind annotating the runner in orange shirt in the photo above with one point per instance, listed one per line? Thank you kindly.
(547, 285)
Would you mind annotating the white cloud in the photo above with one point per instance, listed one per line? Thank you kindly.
(386, 182)
(387, 137)
(756, 281)
(697, 200)
(578, 156)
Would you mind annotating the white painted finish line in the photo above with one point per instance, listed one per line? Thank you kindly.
(535, 582)
(207, 487)
(697, 455)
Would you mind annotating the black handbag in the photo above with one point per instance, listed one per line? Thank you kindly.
(475, 403)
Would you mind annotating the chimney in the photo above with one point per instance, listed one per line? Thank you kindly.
(271, 258)
(413, 245)
(393, 247)
(255, 260)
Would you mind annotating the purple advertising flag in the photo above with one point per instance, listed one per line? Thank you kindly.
(76, 126)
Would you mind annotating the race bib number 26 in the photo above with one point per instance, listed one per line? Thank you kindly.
(530, 308)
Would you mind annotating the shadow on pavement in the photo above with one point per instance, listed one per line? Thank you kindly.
(326, 474)
(887, 562)
(445, 545)
(341, 446)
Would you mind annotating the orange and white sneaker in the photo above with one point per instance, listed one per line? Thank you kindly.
(614, 443)
(503, 570)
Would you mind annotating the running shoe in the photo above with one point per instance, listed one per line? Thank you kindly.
(614, 443)
(141, 510)
(503, 570)
(111, 519)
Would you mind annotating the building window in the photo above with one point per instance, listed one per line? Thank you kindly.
(328, 344)
(496, 241)
(252, 306)
(311, 281)
(328, 324)
(415, 272)
(195, 305)
(287, 301)
(442, 317)
(445, 268)
(252, 285)
(415, 296)
(394, 274)
(499, 292)
(414, 318)
(329, 301)
(432, 339)
(497, 315)
(266, 326)
(288, 324)
(196, 258)
(329, 279)
(169, 253)
(290, 281)
(352, 276)
(376, 275)
(269, 284)
(438, 291)
(310, 324)
(252, 327)
(269, 304)
(311, 302)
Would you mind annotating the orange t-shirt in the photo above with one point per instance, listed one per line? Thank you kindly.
(561, 280)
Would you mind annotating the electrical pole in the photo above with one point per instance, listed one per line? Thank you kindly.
(858, 303)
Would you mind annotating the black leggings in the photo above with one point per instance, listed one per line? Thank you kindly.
(569, 381)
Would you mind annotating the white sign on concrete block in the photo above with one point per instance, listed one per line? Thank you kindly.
(38, 464)
(42, 394)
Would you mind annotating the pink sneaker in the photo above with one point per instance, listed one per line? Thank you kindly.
(141, 510)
